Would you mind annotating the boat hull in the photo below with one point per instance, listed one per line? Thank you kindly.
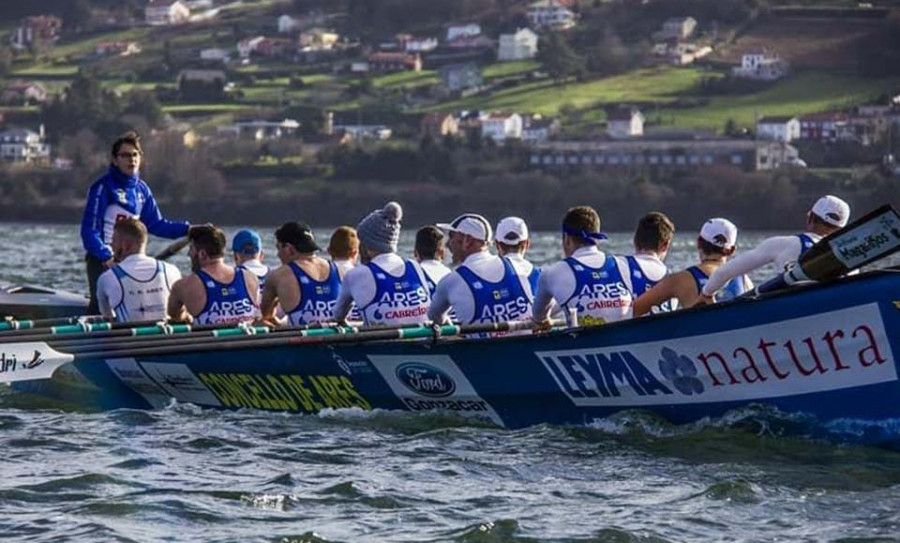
(826, 352)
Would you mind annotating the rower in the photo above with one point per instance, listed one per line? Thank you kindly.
(120, 193)
(388, 289)
(827, 215)
(588, 284)
(716, 243)
(512, 242)
(652, 239)
(137, 287)
(247, 252)
(344, 248)
(484, 288)
(215, 293)
(429, 253)
(306, 285)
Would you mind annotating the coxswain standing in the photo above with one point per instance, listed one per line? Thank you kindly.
(305, 285)
(716, 243)
(827, 215)
(246, 247)
(387, 289)
(215, 293)
(588, 282)
(119, 194)
(137, 287)
(484, 288)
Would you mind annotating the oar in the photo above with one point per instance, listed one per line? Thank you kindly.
(865, 240)
(37, 360)
(173, 249)
(13, 324)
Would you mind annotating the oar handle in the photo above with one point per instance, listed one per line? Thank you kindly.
(173, 249)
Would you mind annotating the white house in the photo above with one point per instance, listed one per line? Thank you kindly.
(215, 54)
(24, 146)
(352, 124)
(463, 31)
(247, 46)
(624, 123)
(784, 129)
(519, 46)
(288, 24)
(537, 129)
(166, 12)
(550, 14)
(420, 45)
(502, 126)
(761, 65)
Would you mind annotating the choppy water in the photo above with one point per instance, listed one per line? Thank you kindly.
(188, 474)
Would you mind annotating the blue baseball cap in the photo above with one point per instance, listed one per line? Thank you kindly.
(246, 242)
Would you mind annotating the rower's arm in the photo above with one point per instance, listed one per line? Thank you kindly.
(657, 294)
(440, 302)
(344, 302)
(543, 299)
(745, 262)
(92, 224)
(106, 284)
(269, 300)
(175, 307)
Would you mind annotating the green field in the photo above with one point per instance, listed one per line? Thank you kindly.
(405, 79)
(800, 94)
(662, 85)
(506, 69)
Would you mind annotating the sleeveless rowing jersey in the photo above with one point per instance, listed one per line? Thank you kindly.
(732, 289)
(600, 295)
(503, 301)
(142, 300)
(317, 298)
(257, 268)
(640, 284)
(806, 243)
(398, 301)
(226, 304)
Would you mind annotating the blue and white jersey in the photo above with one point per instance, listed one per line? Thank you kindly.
(732, 289)
(501, 301)
(641, 282)
(257, 268)
(226, 304)
(317, 298)
(806, 243)
(601, 294)
(116, 196)
(398, 301)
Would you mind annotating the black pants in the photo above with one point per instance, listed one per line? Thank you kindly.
(94, 268)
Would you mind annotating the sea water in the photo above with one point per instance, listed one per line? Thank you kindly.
(190, 474)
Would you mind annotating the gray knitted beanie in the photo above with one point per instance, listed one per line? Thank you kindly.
(380, 230)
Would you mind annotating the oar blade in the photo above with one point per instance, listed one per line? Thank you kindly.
(29, 361)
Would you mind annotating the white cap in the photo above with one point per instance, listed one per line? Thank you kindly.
(720, 232)
(832, 210)
(470, 224)
(512, 231)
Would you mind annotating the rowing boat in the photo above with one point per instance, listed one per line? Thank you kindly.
(824, 350)
(821, 351)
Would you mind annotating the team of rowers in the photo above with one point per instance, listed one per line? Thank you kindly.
(366, 279)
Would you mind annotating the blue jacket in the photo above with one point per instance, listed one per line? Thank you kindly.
(129, 197)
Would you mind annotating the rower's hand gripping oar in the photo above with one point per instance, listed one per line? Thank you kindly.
(865, 240)
(173, 249)
(30, 361)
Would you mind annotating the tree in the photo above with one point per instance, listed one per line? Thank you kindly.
(84, 103)
(145, 104)
(77, 15)
(6, 59)
(558, 58)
